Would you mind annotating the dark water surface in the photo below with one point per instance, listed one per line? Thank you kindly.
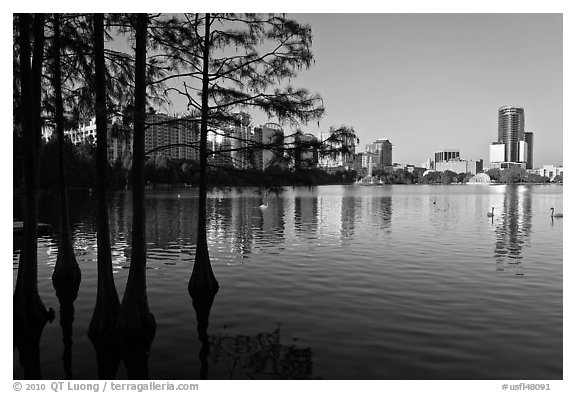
(333, 282)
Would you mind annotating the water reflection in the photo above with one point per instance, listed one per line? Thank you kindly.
(385, 212)
(513, 229)
(347, 218)
(202, 303)
(243, 210)
(66, 322)
(261, 356)
(235, 222)
(306, 216)
(28, 346)
(313, 224)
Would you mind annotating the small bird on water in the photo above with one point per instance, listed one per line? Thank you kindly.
(491, 214)
(555, 215)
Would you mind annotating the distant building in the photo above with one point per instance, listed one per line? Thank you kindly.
(450, 160)
(550, 171)
(86, 132)
(511, 131)
(497, 152)
(515, 147)
(243, 138)
(181, 134)
(271, 135)
(458, 165)
(529, 139)
(428, 164)
(118, 142)
(385, 152)
(307, 152)
(365, 163)
(382, 150)
(445, 155)
(343, 159)
(220, 147)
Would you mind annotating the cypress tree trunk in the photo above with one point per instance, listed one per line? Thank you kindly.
(66, 277)
(202, 303)
(202, 279)
(103, 324)
(30, 314)
(136, 325)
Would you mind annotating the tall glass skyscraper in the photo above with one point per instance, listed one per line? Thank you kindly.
(511, 131)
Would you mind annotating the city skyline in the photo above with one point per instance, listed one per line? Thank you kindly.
(434, 74)
(421, 81)
(440, 78)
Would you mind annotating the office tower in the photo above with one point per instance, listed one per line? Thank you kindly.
(529, 139)
(385, 152)
(514, 147)
(511, 131)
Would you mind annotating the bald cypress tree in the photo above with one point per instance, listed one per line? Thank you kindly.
(237, 62)
(136, 324)
(30, 314)
(103, 323)
(66, 276)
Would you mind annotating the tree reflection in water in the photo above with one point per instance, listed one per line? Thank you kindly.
(261, 356)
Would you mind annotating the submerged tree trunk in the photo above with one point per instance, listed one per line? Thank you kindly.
(136, 325)
(30, 314)
(202, 303)
(103, 324)
(66, 277)
(203, 279)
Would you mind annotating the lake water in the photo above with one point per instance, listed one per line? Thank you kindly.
(333, 282)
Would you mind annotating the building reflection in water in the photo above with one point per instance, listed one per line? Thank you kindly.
(242, 236)
(513, 229)
(385, 212)
(261, 356)
(236, 224)
(305, 215)
(347, 218)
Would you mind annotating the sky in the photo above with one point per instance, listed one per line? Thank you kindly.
(428, 82)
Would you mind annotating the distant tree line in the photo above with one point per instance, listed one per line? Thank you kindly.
(419, 176)
(161, 170)
(518, 175)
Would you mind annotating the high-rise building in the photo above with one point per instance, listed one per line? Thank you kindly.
(241, 135)
(344, 147)
(514, 146)
(272, 139)
(382, 153)
(529, 139)
(182, 135)
(385, 152)
(511, 131)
